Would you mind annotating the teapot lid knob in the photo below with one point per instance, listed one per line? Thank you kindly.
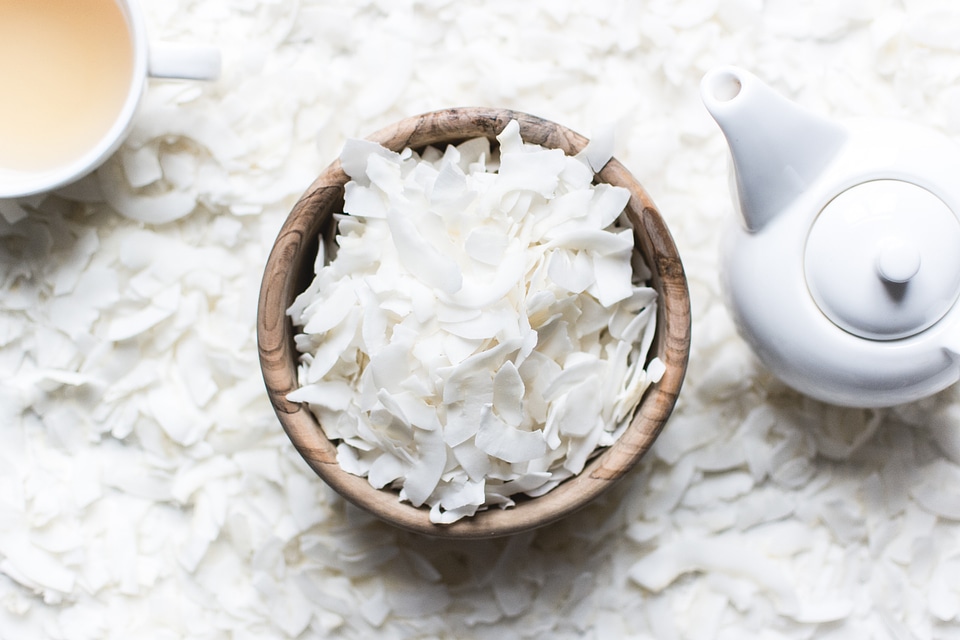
(881, 260)
(898, 260)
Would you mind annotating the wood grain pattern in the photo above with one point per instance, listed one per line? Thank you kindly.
(289, 270)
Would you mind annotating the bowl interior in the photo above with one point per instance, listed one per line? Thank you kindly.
(289, 270)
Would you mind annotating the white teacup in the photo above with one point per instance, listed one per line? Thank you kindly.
(72, 74)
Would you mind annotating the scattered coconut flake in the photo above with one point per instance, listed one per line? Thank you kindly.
(33, 567)
(667, 563)
(157, 310)
(12, 211)
(934, 493)
(148, 208)
(141, 166)
(448, 279)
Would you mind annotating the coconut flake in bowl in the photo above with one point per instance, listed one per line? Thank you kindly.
(478, 333)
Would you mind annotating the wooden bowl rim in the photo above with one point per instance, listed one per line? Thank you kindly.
(278, 357)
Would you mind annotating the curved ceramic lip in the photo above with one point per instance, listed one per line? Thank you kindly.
(278, 356)
(15, 184)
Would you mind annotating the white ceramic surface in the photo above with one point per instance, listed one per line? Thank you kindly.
(844, 272)
(157, 60)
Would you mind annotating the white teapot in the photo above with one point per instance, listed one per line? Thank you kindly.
(844, 272)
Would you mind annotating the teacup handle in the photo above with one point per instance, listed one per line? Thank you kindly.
(183, 61)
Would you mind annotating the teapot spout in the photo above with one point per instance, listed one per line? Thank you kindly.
(778, 148)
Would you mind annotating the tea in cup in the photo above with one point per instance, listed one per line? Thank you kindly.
(72, 74)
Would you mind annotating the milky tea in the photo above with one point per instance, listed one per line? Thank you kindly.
(65, 70)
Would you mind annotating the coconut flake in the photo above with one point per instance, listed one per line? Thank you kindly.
(600, 149)
(33, 567)
(667, 563)
(935, 494)
(500, 440)
(508, 392)
(423, 261)
(161, 307)
(12, 211)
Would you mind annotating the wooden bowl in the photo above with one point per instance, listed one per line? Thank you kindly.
(289, 270)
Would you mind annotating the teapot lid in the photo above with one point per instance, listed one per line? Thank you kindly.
(882, 260)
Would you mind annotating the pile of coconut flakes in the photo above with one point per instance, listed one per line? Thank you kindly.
(478, 333)
(147, 491)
